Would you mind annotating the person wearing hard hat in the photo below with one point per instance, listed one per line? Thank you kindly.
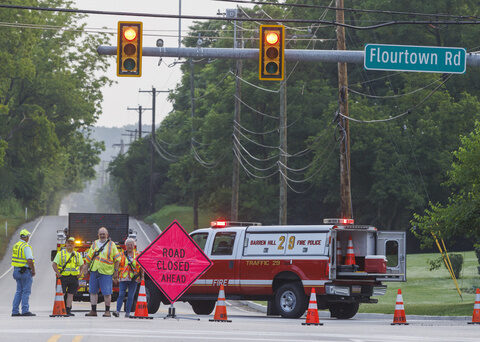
(101, 261)
(23, 272)
(67, 265)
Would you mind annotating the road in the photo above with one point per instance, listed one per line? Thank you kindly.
(246, 325)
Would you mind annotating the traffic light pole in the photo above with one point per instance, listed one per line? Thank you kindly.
(328, 56)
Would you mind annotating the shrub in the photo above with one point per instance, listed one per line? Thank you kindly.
(476, 248)
(455, 259)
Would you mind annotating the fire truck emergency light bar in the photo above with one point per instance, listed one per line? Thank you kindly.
(338, 221)
(225, 224)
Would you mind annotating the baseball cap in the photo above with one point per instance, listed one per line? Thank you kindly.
(24, 232)
(71, 238)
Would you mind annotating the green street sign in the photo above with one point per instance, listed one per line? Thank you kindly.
(415, 58)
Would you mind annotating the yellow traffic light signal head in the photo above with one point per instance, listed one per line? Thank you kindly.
(271, 53)
(129, 49)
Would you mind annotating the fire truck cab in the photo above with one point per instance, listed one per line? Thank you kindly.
(281, 264)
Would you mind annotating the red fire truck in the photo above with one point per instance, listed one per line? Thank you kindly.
(281, 264)
(84, 228)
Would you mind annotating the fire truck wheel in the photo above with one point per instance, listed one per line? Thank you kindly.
(290, 300)
(153, 297)
(343, 310)
(202, 307)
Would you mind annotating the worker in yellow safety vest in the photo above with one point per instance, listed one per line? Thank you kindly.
(23, 273)
(67, 265)
(102, 262)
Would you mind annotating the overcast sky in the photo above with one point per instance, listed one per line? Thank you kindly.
(125, 93)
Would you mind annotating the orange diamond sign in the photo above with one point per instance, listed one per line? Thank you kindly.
(174, 261)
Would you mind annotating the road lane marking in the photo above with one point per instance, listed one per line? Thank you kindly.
(77, 338)
(139, 226)
(31, 235)
(54, 338)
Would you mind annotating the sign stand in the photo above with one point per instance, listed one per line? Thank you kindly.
(171, 314)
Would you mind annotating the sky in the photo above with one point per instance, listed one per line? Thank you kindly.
(124, 93)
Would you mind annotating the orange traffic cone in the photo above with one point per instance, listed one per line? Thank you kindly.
(221, 308)
(399, 315)
(59, 304)
(350, 258)
(476, 309)
(141, 311)
(339, 253)
(312, 313)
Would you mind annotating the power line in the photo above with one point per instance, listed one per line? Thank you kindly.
(220, 18)
(355, 10)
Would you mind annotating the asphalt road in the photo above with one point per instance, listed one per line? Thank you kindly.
(246, 325)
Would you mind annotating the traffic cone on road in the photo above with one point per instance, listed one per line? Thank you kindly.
(141, 311)
(339, 253)
(59, 304)
(221, 308)
(399, 315)
(312, 313)
(476, 309)
(350, 258)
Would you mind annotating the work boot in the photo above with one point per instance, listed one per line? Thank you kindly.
(69, 312)
(91, 314)
(115, 313)
(28, 314)
(107, 314)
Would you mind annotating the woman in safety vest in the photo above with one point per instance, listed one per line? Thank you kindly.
(130, 274)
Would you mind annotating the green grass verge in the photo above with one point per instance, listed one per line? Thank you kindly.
(183, 214)
(13, 223)
(431, 292)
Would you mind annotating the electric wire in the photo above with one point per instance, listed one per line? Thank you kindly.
(253, 166)
(253, 109)
(253, 141)
(255, 86)
(251, 173)
(252, 132)
(237, 141)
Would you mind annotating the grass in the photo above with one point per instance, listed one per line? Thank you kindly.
(431, 292)
(184, 216)
(13, 223)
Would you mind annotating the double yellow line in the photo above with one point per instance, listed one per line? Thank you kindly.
(55, 338)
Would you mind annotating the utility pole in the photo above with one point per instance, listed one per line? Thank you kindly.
(134, 132)
(283, 155)
(346, 210)
(121, 145)
(153, 92)
(238, 94)
(140, 109)
(192, 99)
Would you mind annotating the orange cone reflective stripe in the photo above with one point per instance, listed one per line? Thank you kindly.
(59, 304)
(312, 313)
(141, 310)
(399, 315)
(221, 308)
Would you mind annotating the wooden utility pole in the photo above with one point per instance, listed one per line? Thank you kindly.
(236, 118)
(346, 210)
(140, 110)
(282, 126)
(194, 191)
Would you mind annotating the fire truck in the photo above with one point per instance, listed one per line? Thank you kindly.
(281, 265)
(84, 228)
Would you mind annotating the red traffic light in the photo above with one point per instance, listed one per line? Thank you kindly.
(272, 37)
(130, 34)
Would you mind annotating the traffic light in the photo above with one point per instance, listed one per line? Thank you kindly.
(129, 49)
(271, 53)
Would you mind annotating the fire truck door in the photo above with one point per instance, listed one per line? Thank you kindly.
(223, 254)
(392, 245)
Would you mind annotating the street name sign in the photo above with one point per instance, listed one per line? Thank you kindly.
(449, 60)
(174, 261)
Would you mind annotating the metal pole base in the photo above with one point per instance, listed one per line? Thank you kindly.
(171, 314)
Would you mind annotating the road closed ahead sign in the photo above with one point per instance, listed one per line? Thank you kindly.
(174, 261)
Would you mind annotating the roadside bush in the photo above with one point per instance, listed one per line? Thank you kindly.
(455, 259)
(476, 248)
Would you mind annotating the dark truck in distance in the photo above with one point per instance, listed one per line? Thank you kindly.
(83, 227)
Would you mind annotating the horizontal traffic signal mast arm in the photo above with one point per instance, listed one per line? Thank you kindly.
(332, 56)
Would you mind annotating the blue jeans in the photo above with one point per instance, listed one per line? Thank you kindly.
(24, 288)
(132, 287)
(102, 281)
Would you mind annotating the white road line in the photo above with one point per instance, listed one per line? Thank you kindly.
(31, 235)
(139, 226)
